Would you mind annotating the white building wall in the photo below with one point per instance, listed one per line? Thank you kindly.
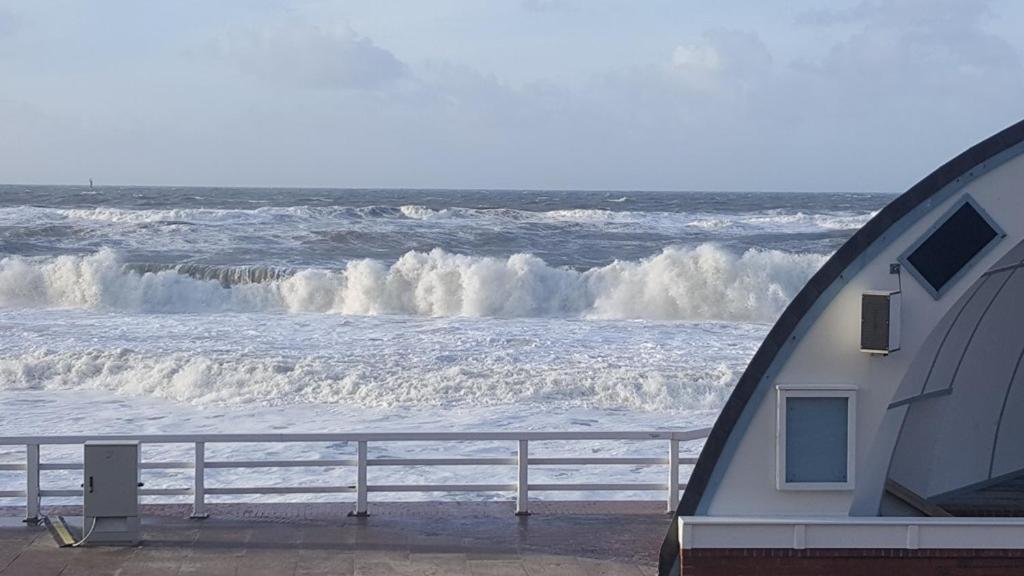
(829, 354)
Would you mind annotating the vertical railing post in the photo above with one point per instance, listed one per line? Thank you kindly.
(523, 479)
(361, 487)
(672, 501)
(32, 483)
(199, 485)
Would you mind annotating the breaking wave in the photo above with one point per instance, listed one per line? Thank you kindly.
(767, 220)
(226, 276)
(705, 282)
(198, 378)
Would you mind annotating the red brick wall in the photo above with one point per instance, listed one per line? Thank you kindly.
(841, 562)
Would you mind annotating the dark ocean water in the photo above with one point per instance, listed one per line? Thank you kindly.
(296, 228)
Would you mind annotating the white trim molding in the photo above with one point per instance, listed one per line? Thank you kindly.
(822, 532)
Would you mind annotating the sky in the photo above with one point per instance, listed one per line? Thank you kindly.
(799, 95)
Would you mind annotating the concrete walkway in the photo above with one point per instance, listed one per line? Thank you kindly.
(451, 538)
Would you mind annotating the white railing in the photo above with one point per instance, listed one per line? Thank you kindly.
(34, 492)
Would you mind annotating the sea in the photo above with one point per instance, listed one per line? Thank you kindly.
(179, 310)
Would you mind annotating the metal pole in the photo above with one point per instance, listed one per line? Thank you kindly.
(199, 486)
(31, 483)
(672, 501)
(361, 488)
(523, 481)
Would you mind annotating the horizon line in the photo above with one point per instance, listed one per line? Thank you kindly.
(451, 189)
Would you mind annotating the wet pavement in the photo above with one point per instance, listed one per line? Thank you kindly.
(438, 538)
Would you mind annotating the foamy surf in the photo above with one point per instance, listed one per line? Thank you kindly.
(705, 282)
(772, 220)
(384, 362)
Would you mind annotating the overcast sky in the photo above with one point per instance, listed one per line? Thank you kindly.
(591, 94)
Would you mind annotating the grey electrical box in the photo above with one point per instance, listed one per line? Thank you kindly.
(111, 488)
(880, 322)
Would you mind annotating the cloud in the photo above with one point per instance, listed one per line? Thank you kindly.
(696, 59)
(722, 57)
(867, 98)
(546, 5)
(309, 56)
(944, 39)
(917, 57)
(902, 14)
(8, 23)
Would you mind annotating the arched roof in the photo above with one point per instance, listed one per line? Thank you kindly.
(965, 401)
(967, 165)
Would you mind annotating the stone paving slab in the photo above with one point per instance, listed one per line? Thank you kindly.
(315, 539)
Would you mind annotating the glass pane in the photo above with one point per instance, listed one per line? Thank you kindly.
(816, 439)
(952, 246)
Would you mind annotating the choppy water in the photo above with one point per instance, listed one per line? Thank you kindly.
(171, 309)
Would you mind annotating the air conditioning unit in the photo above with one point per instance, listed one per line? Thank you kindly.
(880, 321)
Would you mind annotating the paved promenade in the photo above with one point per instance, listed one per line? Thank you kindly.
(559, 539)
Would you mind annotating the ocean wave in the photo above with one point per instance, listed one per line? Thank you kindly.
(705, 282)
(778, 220)
(209, 216)
(741, 222)
(226, 276)
(208, 379)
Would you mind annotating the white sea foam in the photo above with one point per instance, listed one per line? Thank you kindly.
(706, 282)
(771, 220)
(278, 359)
(197, 378)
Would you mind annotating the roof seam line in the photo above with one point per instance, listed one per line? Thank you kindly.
(949, 330)
(1002, 410)
(981, 319)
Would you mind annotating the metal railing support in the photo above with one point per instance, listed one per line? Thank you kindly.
(361, 487)
(523, 479)
(31, 483)
(672, 501)
(199, 486)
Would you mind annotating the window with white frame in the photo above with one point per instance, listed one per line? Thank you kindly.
(815, 437)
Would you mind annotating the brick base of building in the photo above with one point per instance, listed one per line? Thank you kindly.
(840, 562)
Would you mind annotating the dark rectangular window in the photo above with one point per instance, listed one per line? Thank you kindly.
(950, 247)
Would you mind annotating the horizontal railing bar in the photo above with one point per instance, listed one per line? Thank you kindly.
(165, 491)
(596, 461)
(278, 463)
(441, 462)
(441, 488)
(166, 465)
(512, 461)
(597, 487)
(283, 490)
(373, 488)
(57, 493)
(12, 493)
(142, 492)
(374, 462)
(682, 435)
(61, 466)
(143, 465)
(353, 462)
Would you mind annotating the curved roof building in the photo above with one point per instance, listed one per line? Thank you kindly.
(885, 409)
